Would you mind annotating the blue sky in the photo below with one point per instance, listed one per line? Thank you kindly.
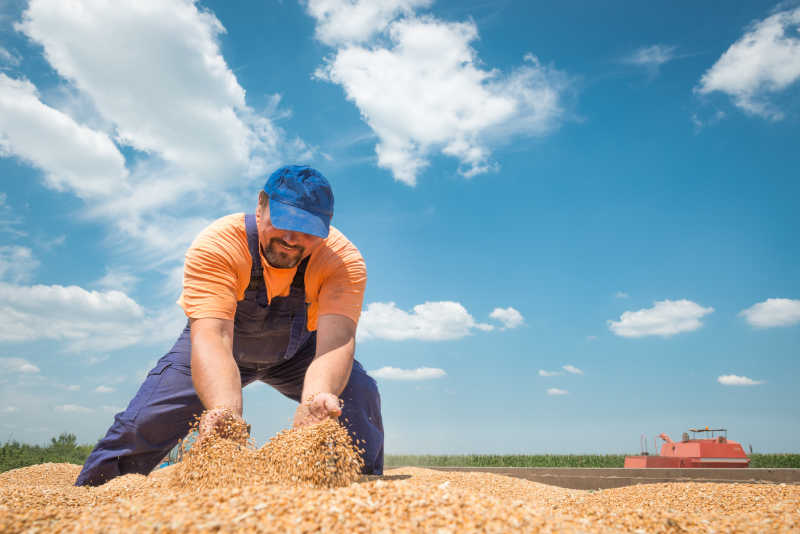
(579, 221)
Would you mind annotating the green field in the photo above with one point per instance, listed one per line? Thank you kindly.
(557, 460)
(515, 460)
(64, 448)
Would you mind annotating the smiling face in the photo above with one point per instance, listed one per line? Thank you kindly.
(283, 249)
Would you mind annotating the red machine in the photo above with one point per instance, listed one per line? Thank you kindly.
(716, 451)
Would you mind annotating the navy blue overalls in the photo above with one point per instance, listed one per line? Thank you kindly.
(271, 343)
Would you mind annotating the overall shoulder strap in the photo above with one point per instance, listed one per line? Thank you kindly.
(257, 283)
(299, 280)
(297, 292)
(252, 243)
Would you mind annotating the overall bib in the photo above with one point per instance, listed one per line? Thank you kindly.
(271, 343)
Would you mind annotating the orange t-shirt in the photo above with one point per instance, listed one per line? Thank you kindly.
(217, 272)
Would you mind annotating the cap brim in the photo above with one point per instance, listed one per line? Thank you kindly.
(288, 217)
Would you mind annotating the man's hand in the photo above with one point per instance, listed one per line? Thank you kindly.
(224, 423)
(329, 372)
(316, 409)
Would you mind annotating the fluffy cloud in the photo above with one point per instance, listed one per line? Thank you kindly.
(17, 263)
(72, 157)
(103, 389)
(420, 373)
(510, 317)
(572, 369)
(159, 85)
(73, 408)
(354, 21)
(773, 312)
(9, 409)
(556, 391)
(189, 115)
(621, 295)
(17, 365)
(765, 60)
(666, 318)
(431, 321)
(119, 279)
(83, 320)
(734, 380)
(87, 163)
(418, 102)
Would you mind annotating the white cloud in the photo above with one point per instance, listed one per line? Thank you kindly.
(9, 409)
(418, 102)
(571, 369)
(651, 57)
(542, 372)
(556, 391)
(666, 318)
(73, 387)
(765, 60)
(103, 389)
(120, 279)
(621, 295)
(431, 321)
(100, 320)
(734, 380)
(73, 408)
(510, 317)
(354, 21)
(17, 365)
(72, 157)
(159, 76)
(158, 84)
(773, 312)
(17, 264)
(420, 373)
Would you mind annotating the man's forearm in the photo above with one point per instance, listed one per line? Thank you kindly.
(329, 372)
(215, 374)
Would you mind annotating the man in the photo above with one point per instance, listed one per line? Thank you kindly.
(275, 297)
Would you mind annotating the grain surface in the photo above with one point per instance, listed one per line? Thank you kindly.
(280, 494)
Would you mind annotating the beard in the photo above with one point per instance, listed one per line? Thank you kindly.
(281, 258)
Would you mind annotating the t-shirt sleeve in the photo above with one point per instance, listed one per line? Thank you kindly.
(211, 274)
(344, 279)
(342, 293)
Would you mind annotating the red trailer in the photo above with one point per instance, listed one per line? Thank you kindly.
(713, 449)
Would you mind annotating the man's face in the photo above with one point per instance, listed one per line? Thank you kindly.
(283, 249)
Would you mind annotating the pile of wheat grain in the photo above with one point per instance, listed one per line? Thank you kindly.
(320, 455)
(303, 481)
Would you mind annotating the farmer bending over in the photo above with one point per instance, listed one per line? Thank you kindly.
(274, 297)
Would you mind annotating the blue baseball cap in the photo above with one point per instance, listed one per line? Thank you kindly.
(300, 200)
